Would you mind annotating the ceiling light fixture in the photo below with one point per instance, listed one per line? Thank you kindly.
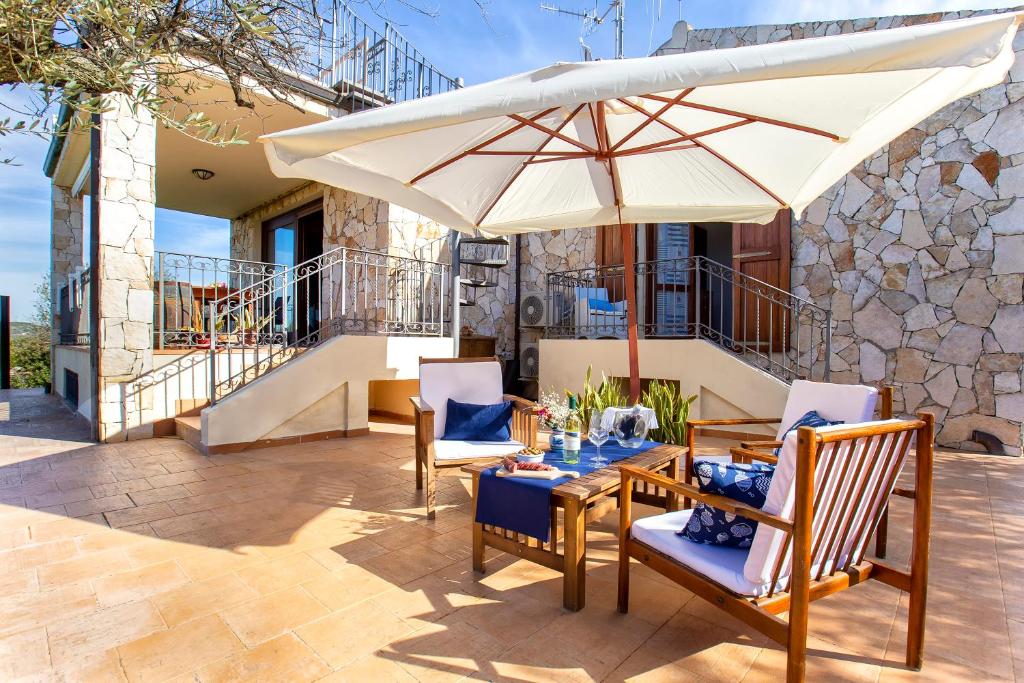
(202, 173)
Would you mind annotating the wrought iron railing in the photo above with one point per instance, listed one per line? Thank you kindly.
(368, 68)
(770, 328)
(185, 284)
(344, 291)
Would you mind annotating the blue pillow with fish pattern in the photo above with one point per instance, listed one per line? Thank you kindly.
(741, 482)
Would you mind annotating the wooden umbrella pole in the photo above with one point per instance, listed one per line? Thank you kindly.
(629, 274)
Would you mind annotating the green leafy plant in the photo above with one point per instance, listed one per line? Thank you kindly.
(607, 394)
(672, 410)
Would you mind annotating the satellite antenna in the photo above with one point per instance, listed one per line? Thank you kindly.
(591, 20)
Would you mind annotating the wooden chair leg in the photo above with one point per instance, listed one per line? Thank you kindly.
(431, 474)
(882, 534)
(800, 601)
(922, 538)
(419, 469)
(478, 530)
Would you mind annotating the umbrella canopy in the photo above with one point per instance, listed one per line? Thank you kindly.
(722, 135)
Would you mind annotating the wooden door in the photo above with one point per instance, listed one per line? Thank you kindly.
(761, 252)
(609, 258)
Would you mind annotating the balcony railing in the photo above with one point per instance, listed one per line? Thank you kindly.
(696, 298)
(344, 291)
(366, 67)
(185, 284)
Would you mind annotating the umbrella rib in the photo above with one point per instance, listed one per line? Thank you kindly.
(656, 146)
(493, 138)
(511, 179)
(721, 157)
(665, 107)
(597, 115)
(752, 117)
(553, 132)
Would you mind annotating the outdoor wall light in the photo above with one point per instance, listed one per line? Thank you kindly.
(202, 173)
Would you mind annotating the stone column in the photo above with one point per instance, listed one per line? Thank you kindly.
(66, 247)
(126, 199)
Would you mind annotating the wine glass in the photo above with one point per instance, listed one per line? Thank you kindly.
(598, 435)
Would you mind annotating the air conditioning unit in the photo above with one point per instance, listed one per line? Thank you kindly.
(529, 361)
(532, 311)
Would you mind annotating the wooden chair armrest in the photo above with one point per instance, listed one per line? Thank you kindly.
(519, 402)
(754, 455)
(734, 421)
(630, 472)
(760, 444)
(419, 405)
(524, 420)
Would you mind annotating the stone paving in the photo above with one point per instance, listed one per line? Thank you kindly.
(144, 561)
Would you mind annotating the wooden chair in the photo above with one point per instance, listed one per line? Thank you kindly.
(467, 380)
(827, 495)
(850, 403)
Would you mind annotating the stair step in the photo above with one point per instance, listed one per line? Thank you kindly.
(485, 262)
(478, 283)
(190, 430)
(466, 302)
(503, 241)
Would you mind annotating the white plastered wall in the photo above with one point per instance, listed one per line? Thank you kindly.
(323, 390)
(725, 386)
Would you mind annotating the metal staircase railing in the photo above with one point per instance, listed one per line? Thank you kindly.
(697, 298)
(344, 291)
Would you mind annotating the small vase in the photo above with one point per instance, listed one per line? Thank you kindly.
(557, 440)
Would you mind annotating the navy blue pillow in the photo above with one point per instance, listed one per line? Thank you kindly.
(744, 483)
(473, 422)
(810, 419)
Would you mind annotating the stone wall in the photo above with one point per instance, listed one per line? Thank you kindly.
(919, 251)
(123, 273)
(362, 222)
(67, 247)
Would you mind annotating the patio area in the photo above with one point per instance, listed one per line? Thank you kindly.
(147, 561)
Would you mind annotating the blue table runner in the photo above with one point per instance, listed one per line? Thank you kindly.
(524, 505)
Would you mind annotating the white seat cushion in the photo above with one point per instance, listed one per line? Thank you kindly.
(848, 403)
(718, 563)
(461, 450)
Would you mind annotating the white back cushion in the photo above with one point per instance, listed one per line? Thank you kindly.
(478, 382)
(848, 403)
(768, 542)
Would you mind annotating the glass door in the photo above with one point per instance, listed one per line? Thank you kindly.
(279, 247)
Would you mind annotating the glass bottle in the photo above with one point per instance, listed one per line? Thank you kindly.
(573, 428)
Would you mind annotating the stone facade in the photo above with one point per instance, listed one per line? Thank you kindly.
(919, 251)
(67, 246)
(123, 273)
(362, 222)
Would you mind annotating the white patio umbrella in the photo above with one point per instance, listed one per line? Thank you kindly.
(722, 135)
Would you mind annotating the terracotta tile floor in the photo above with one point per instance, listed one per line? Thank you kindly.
(146, 561)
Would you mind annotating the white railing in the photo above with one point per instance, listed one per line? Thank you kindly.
(184, 285)
(344, 291)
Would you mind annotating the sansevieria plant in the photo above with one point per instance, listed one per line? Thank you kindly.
(672, 410)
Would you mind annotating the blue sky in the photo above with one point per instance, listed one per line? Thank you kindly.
(516, 36)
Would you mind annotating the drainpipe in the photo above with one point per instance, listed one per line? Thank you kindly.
(95, 272)
(519, 299)
(454, 293)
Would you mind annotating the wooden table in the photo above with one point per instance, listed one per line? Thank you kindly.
(582, 500)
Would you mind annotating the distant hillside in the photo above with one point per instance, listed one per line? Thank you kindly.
(24, 329)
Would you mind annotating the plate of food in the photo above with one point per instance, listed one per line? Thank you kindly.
(511, 467)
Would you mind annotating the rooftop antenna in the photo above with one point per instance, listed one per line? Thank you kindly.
(591, 20)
